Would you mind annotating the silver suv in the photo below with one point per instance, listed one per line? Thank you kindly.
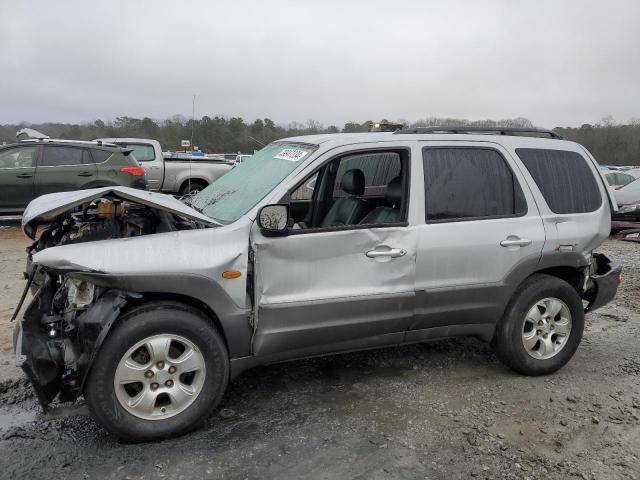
(315, 245)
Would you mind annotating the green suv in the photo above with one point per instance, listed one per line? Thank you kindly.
(32, 168)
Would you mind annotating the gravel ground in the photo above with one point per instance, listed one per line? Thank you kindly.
(445, 409)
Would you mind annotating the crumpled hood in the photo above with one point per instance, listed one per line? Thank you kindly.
(47, 207)
(204, 252)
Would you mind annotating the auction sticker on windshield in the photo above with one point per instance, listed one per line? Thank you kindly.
(291, 154)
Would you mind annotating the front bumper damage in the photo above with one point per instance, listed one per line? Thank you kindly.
(603, 281)
(61, 332)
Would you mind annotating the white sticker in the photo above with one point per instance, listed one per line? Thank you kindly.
(291, 154)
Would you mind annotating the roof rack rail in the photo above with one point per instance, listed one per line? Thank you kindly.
(486, 130)
(98, 143)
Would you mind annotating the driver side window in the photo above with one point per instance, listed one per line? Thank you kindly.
(20, 157)
(364, 188)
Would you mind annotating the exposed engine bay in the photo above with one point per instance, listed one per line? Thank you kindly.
(107, 218)
(69, 316)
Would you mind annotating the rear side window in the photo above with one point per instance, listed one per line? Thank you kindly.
(118, 158)
(57, 156)
(379, 169)
(564, 178)
(468, 184)
(100, 156)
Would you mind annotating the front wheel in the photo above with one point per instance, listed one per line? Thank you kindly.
(159, 373)
(542, 326)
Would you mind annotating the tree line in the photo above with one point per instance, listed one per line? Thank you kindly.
(610, 142)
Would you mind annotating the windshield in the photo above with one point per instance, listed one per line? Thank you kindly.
(238, 191)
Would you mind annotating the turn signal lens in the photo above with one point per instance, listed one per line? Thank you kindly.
(231, 274)
(135, 171)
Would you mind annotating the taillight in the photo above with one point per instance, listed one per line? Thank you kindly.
(135, 171)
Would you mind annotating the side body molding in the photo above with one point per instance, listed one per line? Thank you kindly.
(476, 309)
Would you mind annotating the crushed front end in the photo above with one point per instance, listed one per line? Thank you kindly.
(62, 330)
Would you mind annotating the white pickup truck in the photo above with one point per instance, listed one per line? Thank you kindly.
(172, 175)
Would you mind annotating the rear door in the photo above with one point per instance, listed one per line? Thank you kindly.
(17, 172)
(481, 233)
(64, 168)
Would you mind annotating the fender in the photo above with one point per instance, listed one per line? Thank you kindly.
(233, 320)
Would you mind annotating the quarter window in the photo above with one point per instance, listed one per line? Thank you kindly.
(57, 156)
(468, 184)
(305, 191)
(100, 156)
(564, 178)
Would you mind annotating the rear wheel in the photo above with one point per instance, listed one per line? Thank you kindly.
(194, 188)
(542, 326)
(159, 373)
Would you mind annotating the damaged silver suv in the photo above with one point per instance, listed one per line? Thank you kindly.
(148, 305)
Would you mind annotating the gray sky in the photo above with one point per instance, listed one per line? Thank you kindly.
(555, 62)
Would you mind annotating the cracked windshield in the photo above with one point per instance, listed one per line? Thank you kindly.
(237, 192)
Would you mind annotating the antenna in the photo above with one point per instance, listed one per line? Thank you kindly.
(193, 117)
(193, 121)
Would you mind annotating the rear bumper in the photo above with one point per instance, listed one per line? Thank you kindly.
(603, 282)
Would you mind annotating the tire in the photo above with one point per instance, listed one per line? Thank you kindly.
(196, 186)
(528, 351)
(173, 325)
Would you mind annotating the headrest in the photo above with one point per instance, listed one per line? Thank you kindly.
(393, 193)
(352, 182)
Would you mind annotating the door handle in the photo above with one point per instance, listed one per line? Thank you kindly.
(515, 241)
(392, 252)
(85, 174)
(24, 175)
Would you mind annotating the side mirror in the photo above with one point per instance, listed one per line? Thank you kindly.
(274, 219)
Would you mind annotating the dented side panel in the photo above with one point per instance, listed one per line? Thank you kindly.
(320, 288)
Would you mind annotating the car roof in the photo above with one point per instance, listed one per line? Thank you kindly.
(71, 143)
(331, 140)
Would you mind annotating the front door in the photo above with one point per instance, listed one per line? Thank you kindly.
(17, 172)
(339, 285)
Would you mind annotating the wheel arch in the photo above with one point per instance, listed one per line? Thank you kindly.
(574, 276)
(150, 298)
(571, 267)
(185, 182)
(196, 291)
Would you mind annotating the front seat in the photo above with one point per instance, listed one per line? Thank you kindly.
(348, 210)
(392, 214)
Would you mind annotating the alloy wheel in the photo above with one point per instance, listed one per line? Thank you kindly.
(159, 377)
(546, 328)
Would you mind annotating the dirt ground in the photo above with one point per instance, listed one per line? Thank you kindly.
(442, 410)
